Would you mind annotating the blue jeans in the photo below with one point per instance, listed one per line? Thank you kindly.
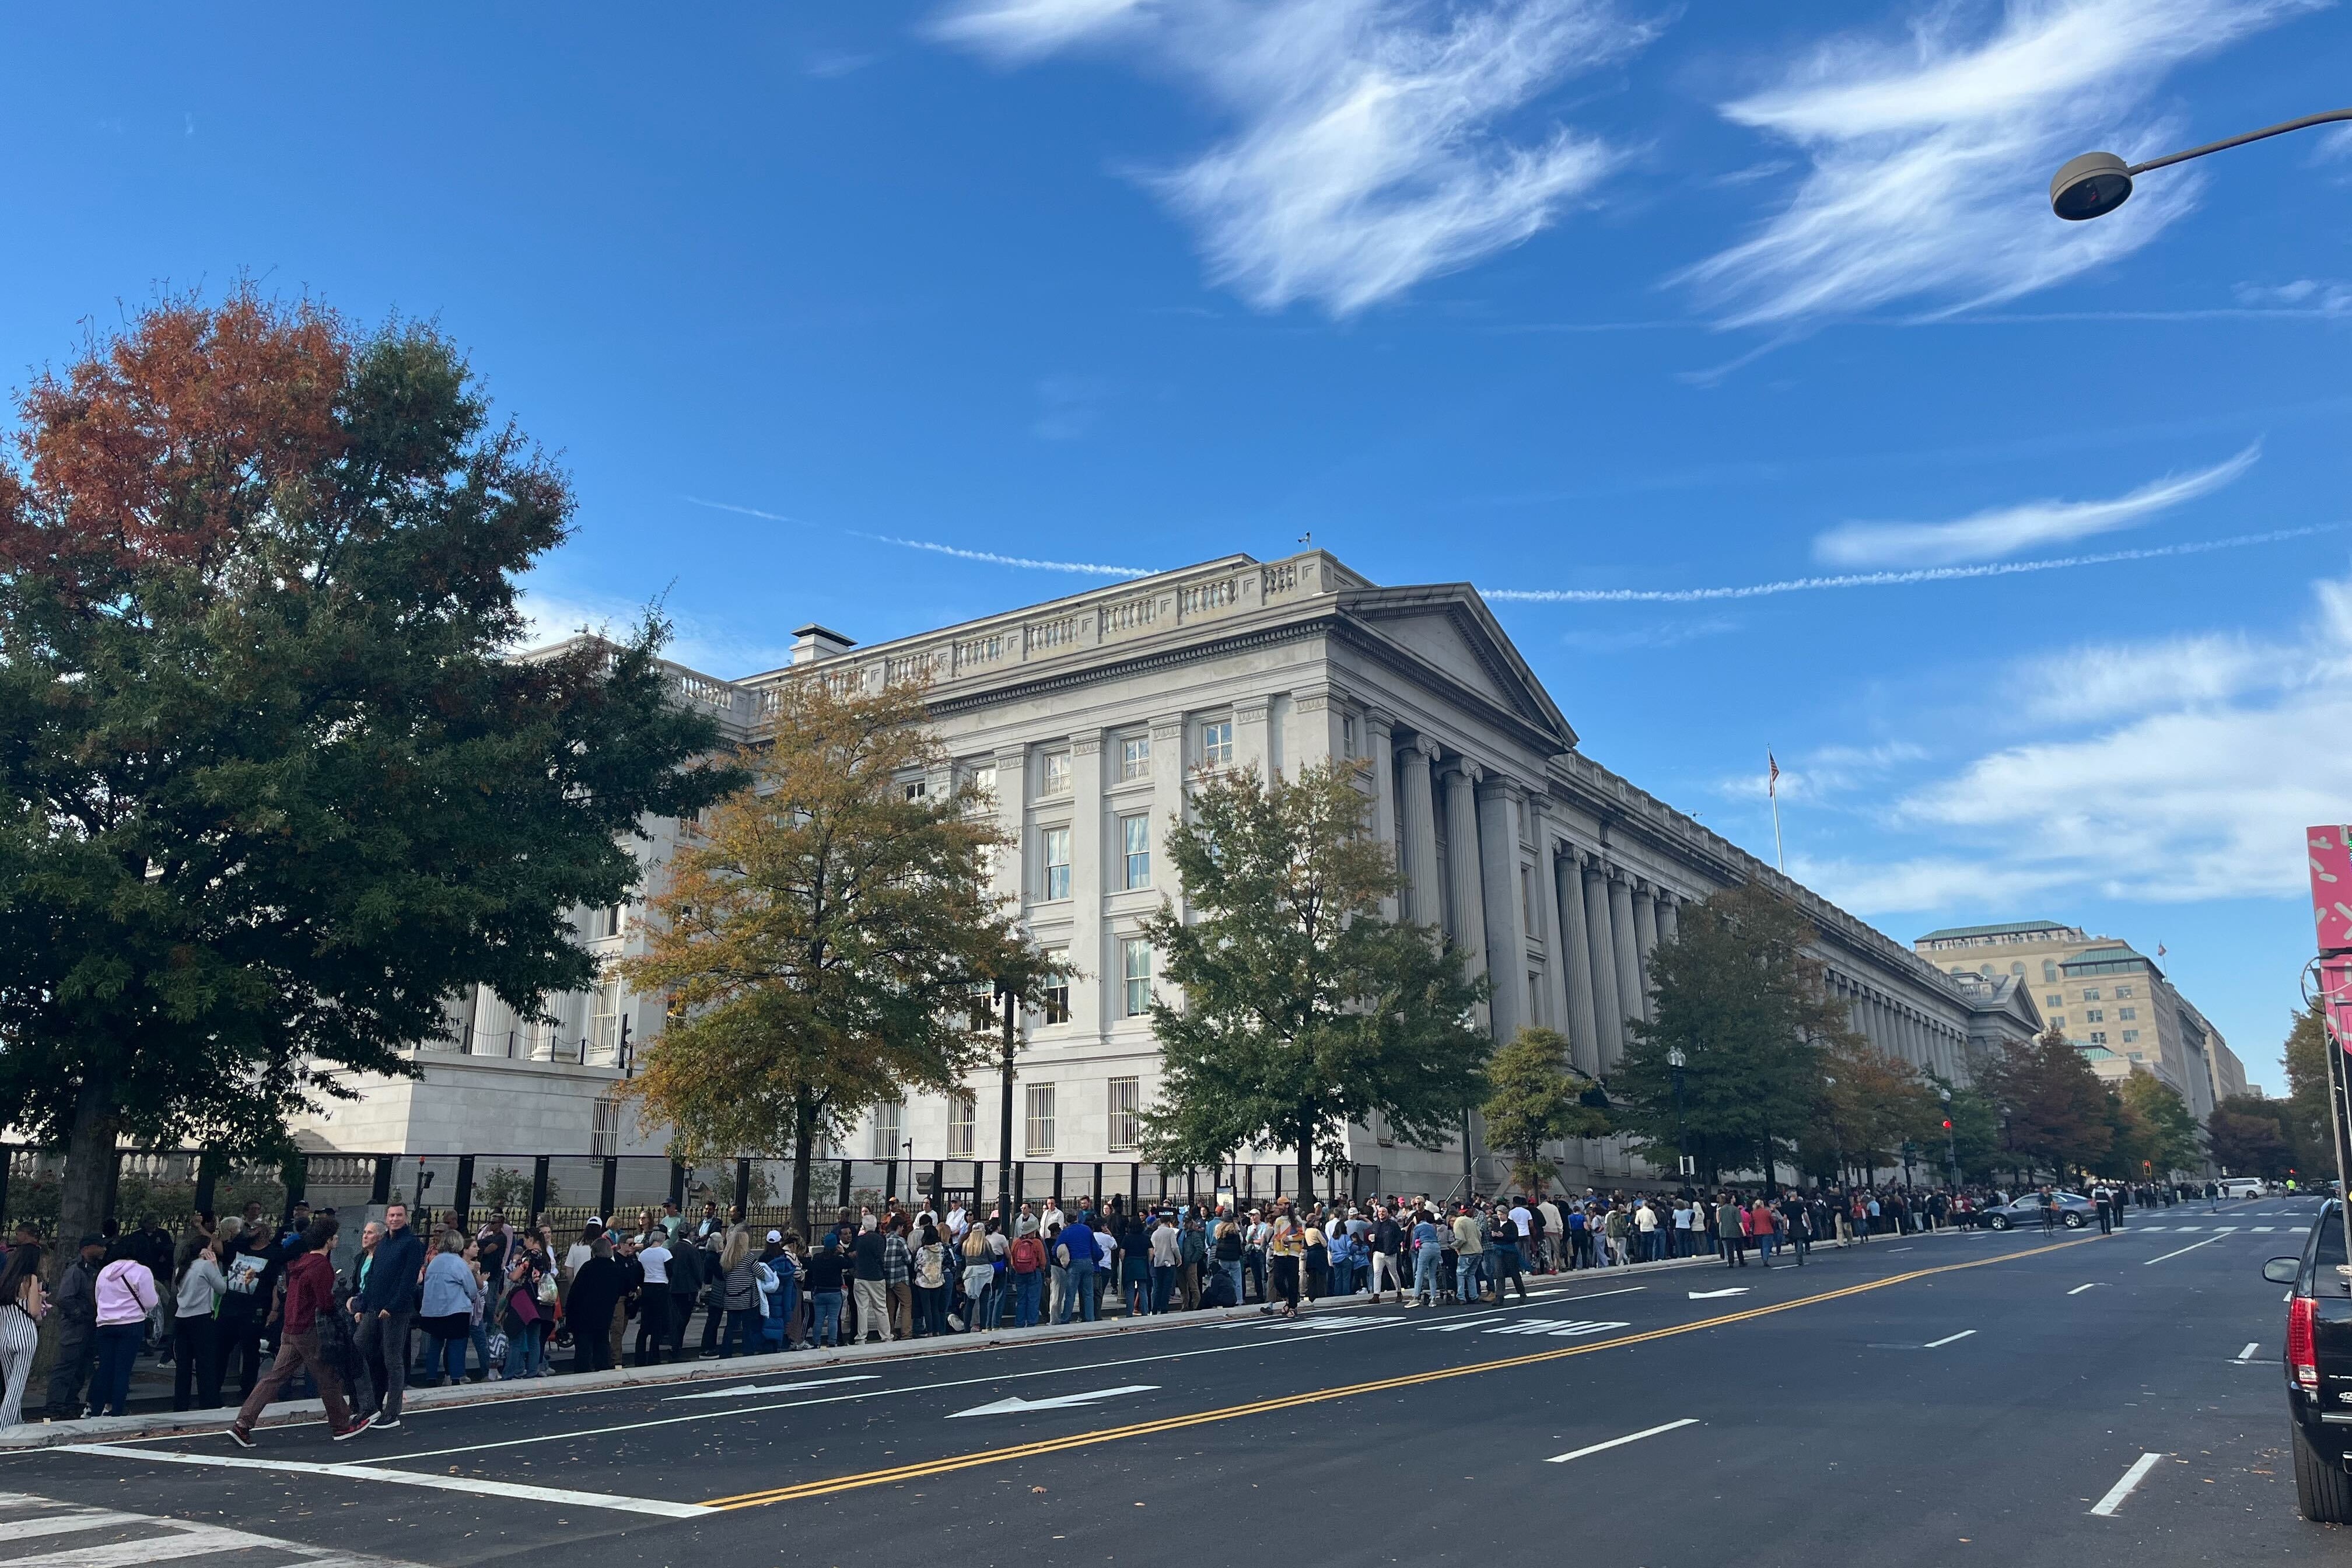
(532, 1345)
(1163, 1285)
(1078, 1295)
(1428, 1266)
(827, 1329)
(744, 1327)
(118, 1347)
(451, 1355)
(1232, 1273)
(1024, 1297)
(1469, 1270)
(1139, 1292)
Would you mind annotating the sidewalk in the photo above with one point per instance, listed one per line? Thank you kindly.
(164, 1422)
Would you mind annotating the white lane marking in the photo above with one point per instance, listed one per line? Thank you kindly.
(1558, 1327)
(1948, 1339)
(1016, 1405)
(2106, 1506)
(751, 1388)
(2264, 1230)
(2185, 1229)
(2248, 1354)
(472, 1484)
(1621, 1442)
(2091, 1286)
(1711, 1295)
(161, 1540)
(2190, 1247)
(66, 1523)
(201, 1541)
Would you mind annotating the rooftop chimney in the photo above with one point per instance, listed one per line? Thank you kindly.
(813, 642)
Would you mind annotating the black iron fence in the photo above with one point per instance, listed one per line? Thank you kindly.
(174, 1185)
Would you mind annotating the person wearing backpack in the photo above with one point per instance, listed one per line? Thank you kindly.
(1026, 1265)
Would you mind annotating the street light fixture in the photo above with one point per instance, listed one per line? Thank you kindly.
(1677, 1061)
(2096, 184)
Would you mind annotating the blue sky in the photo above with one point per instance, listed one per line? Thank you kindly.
(1612, 302)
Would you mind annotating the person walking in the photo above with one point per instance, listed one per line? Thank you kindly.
(1470, 1254)
(76, 1304)
(1286, 1250)
(310, 1291)
(23, 1305)
(1387, 1238)
(126, 1295)
(385, 1309)
(653, 1294)
(195, 1361)
(1428, 1260)
(1728, 1232)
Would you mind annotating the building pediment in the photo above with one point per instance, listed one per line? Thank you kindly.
(1447, 628)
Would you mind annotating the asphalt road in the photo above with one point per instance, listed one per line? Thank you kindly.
(1962, 1399)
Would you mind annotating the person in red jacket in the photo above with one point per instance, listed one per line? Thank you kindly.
(310, 1297)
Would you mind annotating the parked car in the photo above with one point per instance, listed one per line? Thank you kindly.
(2318, 1363)
(2074, 1211)
(2243, 1187)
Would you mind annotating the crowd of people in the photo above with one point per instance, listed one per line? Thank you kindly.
(263, 1305)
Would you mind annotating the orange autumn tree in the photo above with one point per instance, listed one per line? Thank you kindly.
(827, 937)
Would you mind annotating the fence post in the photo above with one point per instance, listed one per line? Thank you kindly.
(889, 1178)
(462, 1200)
(743, 1185)
(608, 1188)
(538, 1187)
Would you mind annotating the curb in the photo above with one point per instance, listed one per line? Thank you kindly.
(34, 1435)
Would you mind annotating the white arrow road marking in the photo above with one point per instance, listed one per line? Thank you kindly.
(749, 1388)
(1558, 1327)
(1016, 1405)
(1711, 1295)
(2106, 1506)
(1621, 1442)
(1948, 1339)
(2248, 1354)
(2091, 1286)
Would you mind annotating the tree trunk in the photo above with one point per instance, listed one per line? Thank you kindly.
(803, 1154)
(89, 1165)
(1307, 1125)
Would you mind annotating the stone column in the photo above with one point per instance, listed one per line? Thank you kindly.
(1166, 802)
(1380, 734)
(1012, 871)
(1425, 901)
(1553, 1013)
(1092, 985)
(1645, 942)
(1250, 736)
(1464, 894)
(1608, 1013)
(1498, 802)
(1669, 925)
(1627, 956)
(1575, 957)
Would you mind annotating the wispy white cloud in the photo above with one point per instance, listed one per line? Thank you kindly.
(1372, 145)
(2008, 530)
(1890, 579)
(1931, 157)
(2186, 771)
(1823, 771)
(993, 558)
(2305, 294)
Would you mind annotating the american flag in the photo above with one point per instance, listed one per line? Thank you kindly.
(1772, 778)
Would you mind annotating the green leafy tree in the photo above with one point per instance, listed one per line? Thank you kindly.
(1741, 999)
(274, 785)
(1871, 1104)
(2053, 1110)
(1975, 1138)
(2171, 1140)
(2310, 1128)
(2252, 1136)
(1303, 1010)
(826, 943)
(1535, 1097)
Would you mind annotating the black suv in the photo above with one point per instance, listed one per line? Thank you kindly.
(2319, 1366)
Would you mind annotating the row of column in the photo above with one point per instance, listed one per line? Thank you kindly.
(1903, 1030)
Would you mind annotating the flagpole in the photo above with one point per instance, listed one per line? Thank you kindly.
(1772, 788)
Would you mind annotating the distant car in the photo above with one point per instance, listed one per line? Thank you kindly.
(2242, 1187)
(2318, 1364)
(2074, 1211)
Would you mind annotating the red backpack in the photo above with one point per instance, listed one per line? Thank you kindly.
(1028, 1254)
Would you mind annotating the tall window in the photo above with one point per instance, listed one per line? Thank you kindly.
(889, 1122)
(1217, 744)
(1125, 1112)
(1135, 968)
(1057, 864)
(1348, 735)
(605, 1024)
(611, 920)
(1135, 834)
(1054, 776)
(1057, 990)
(2049, 972)
(963, 1114)
(1134, 757)
(1041, 1119)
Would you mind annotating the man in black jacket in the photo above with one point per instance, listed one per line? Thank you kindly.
(685, 1271)
(75, 1303)
(386, 1306)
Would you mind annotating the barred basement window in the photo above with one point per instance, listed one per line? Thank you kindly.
(962, 1117)
(1041, 1119)
(890, 1121)
(1126, 1113)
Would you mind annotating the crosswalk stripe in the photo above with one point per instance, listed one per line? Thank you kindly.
(68, 1523)
(201, 1541)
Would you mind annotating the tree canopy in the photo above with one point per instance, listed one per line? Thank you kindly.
(826, 936)
(1535, 1097)
(1743, 1001)
(2053, 1110)
(2252, 1136)
(273, 784)
(1302, 1010)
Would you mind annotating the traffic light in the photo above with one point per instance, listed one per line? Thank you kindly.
(1947, 1125)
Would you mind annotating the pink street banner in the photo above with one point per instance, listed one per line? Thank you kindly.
(2329, 849)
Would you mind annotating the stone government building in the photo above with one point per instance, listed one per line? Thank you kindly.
(1083, 716)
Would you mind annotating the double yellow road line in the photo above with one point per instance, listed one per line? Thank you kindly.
(928, 1468)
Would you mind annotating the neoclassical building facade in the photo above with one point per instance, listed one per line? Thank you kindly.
(1085, 718)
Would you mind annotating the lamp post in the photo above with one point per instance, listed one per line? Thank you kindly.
(1011, 996)
(1677, 1061)
(1951, 1146)
(2096, 184)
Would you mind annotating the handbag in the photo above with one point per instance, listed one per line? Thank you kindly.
(547, 1290)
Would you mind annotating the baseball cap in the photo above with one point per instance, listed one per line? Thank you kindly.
(775, 1236)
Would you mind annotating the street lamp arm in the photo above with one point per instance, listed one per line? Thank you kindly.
(2309, 121)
